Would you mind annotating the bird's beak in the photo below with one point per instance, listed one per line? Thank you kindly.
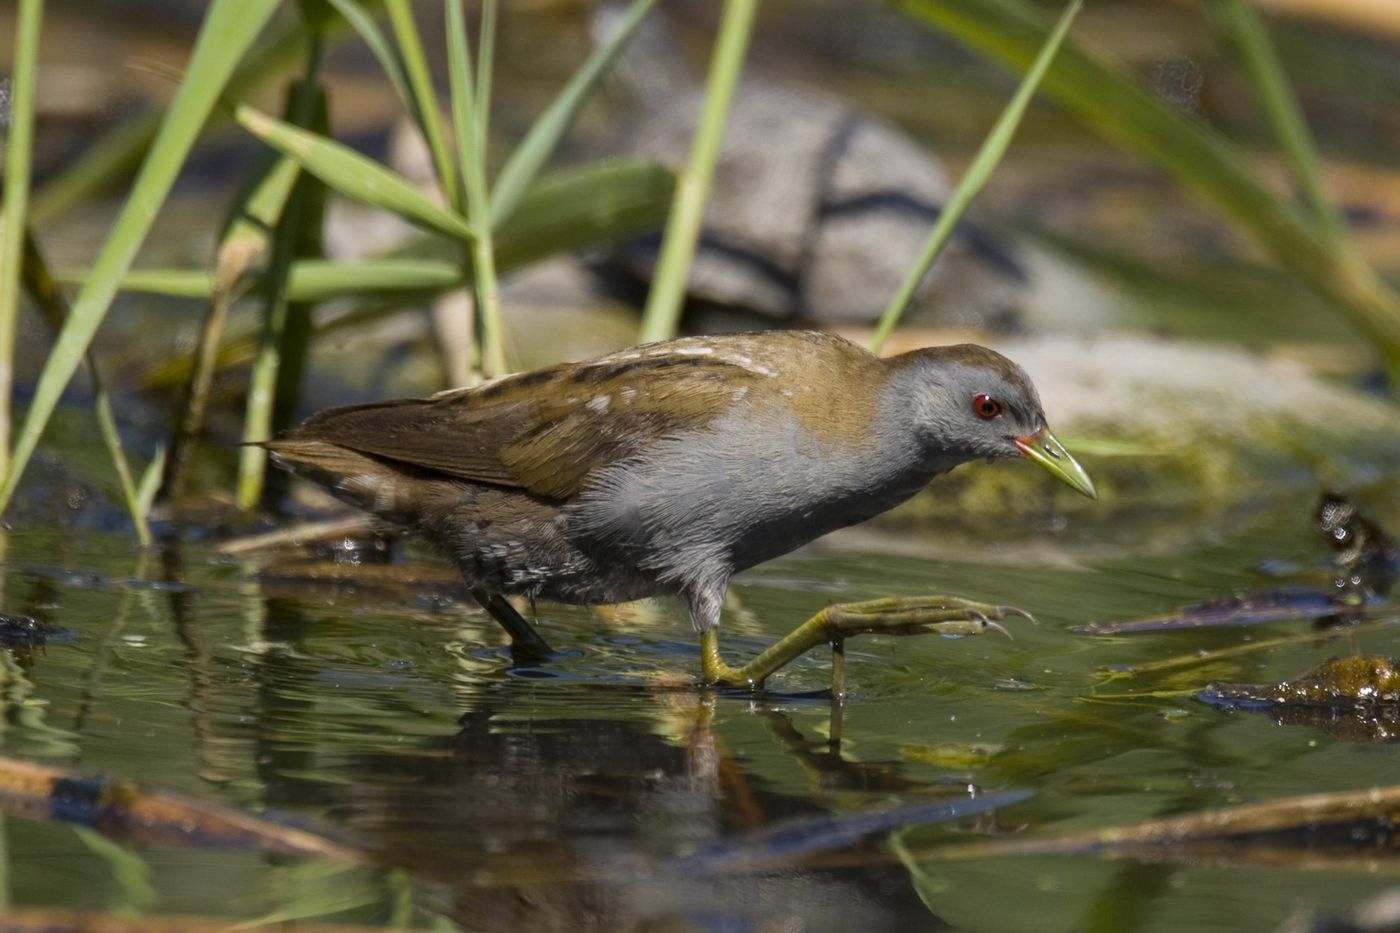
(1047, 451)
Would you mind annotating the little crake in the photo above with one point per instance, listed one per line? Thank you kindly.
(667, 468)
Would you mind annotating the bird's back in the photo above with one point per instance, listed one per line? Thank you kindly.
(526, 479)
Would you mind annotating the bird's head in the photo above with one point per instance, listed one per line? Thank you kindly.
(969, 402)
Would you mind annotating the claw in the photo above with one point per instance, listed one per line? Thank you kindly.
(1015, 611)
(998, 628)
(976, 615)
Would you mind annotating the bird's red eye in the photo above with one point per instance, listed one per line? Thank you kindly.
(986, 407)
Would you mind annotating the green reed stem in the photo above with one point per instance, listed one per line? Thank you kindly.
(530, 156)
(664, 301)
(1245, 32)
(275, 380)
(420, 83)
(989, 155)
(245, 240)
(19, 145)
(470, 105)
(45, 293)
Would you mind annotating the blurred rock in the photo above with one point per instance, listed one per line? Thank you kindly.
(818, 211)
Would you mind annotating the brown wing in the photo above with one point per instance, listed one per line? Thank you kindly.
(544, 431)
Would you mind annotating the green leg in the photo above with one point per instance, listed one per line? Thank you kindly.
(925, 615)
(523, 637)
(838, 696)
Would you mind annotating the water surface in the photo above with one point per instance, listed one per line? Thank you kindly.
(558, 795)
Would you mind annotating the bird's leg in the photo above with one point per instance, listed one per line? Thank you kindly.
(524, 639)
(838, 696)
(925, 615)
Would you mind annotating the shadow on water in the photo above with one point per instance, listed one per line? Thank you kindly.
(599, 790)
(560, 803)
(569, 823)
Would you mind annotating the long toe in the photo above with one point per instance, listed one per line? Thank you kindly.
(919, 615)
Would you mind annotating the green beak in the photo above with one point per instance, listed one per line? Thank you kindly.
(1047, 451)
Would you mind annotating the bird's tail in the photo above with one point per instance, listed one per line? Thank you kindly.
(363, 481)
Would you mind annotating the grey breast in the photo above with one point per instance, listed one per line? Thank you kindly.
(735, 495)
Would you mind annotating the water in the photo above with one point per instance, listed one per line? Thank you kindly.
(554, 796)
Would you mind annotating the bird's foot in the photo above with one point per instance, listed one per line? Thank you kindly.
(919, 615)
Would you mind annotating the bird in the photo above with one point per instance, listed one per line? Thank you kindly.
(667, 468)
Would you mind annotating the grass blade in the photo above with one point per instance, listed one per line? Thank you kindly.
(311, 280)
(467, 106)
(988, 156)
(577, 207)
(663, 309)
(485, 65)
(425, 106)
(486, 295)
(19, 147)
(373, 37)
(352, 174)
(486, 292)
(565, 211)
(172, 283)
(276, 377)
(51, 304)
(539, 143)
(150, 482)
(305, 225)
(1113, 103)
(1244, 32)
(456, 323)
(229, 28)
(245, 240)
